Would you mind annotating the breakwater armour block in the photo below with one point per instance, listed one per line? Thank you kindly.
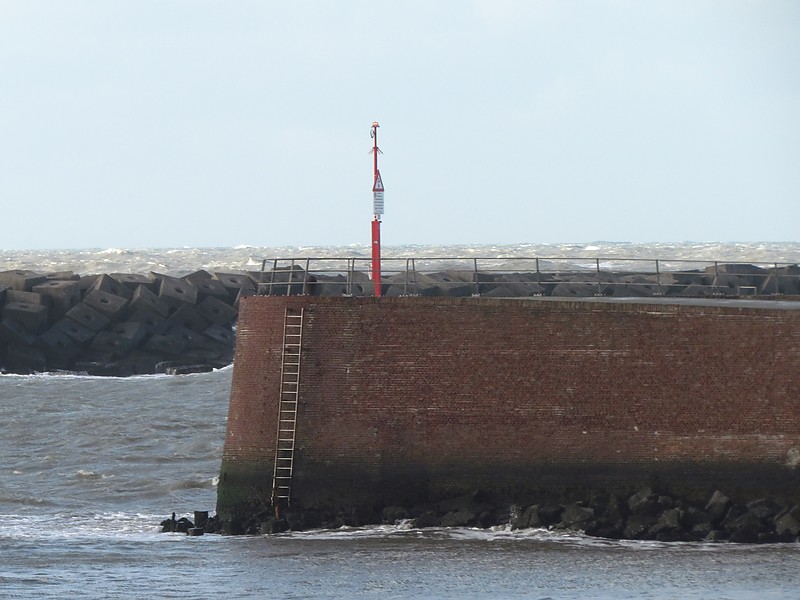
(118, 324)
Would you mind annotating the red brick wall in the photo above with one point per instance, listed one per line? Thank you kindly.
(410, 398)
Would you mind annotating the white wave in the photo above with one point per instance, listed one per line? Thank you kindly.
(58, 526)
(84, 474)
(116, 251)
(181, 261)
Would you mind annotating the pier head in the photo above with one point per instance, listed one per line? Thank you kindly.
(355, 408)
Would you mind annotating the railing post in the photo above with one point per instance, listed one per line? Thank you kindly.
(716, 278)
(658, 280)
(597, 264)
(477, 284)
(305, 277)
(777, 285)
(272, 275)
(348, 285)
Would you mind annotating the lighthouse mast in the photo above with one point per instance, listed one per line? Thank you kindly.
(377, 211)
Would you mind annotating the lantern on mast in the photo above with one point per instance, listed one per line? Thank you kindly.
(377, 210)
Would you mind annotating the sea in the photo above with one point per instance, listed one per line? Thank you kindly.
(90, 466)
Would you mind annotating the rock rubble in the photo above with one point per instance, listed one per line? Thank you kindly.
(644, 515)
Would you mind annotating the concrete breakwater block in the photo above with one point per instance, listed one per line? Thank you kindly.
(166, 344)
(80, 334)
(21, 280)
(29, 297)
(216, 311)
(12, 332)
(33, 317)
(146, 301)
(63, 295)
(21, 358)
(237, 285)
(112, 344)
(108, 284)
(154, 323)
(176, 292)
(118, 325)
(59, 349)
(88, 317)
(106, 304)
(223, 335)
(132, 280)
(63, 276)
(206, 285)
(189, 317)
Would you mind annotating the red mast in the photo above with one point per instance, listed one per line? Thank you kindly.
(377, 211)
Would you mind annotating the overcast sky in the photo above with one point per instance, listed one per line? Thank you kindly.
(160, 123)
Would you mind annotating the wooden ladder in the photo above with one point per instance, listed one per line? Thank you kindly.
(287, 407)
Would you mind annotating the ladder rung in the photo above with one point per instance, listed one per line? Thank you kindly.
(288, 403)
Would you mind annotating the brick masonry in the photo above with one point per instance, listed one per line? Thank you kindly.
(410, 399)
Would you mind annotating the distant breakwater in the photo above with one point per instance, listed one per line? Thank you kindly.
(122, 324)
(118, 324)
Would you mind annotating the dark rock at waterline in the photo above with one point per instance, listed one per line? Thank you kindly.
(644, 515)
(172, 525)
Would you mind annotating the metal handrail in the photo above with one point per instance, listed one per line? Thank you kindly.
(543, 267)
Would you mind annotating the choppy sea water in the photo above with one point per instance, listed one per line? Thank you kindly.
(180, 261)
(89, 466)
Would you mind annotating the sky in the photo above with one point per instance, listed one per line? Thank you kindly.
(171, 123)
